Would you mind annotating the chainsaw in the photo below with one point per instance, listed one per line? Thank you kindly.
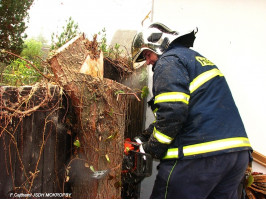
(136, 164)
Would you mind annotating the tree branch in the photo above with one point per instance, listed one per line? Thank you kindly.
(5, 51)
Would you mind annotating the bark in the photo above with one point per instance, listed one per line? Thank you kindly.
(101, 119)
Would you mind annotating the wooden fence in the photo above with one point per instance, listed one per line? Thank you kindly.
(33, 140)
(37, 131)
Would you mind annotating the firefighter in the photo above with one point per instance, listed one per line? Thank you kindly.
(198, 134)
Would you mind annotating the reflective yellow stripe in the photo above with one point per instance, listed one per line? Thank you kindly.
(203, 78)
(208, 147)
(171, 154)
(215, 146)
(161, 137)
(172, 97)
(154, 112)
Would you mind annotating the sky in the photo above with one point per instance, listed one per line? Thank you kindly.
(48, 16)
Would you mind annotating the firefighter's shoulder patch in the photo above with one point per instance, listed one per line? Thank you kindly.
(203, 61)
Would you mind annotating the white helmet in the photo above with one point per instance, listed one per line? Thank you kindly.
(156, 38)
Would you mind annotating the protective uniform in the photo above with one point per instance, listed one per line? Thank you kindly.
(196, 117)
(195, 112)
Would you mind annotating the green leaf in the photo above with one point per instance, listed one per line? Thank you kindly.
(111, 112)
(77, 143)
(111, 136)
(107, 158)
(144, 92)
(250, 180)
(92, 168)
(119, 92)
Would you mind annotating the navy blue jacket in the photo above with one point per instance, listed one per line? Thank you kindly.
(196, 115)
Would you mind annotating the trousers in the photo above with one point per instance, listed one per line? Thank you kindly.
(210, 177)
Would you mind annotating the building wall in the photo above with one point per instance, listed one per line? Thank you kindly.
(232, 35)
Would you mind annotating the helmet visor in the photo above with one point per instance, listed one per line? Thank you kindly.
(137, 45)
(137, 65)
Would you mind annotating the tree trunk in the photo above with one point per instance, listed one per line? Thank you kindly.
(100, 113)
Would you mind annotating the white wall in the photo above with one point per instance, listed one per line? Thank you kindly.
(232, 34)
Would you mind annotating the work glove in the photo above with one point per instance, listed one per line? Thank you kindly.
(145, 135)
(143, 138)
(150, 145)
(141, 150)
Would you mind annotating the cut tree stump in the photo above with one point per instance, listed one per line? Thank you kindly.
(100, 112)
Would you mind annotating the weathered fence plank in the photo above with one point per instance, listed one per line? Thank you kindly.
(30, 162)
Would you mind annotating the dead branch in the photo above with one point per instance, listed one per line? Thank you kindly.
(128, 94)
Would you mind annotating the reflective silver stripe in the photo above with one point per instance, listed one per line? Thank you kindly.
(162, 138)
(207, 147)
(203, 78)
(172, 97)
